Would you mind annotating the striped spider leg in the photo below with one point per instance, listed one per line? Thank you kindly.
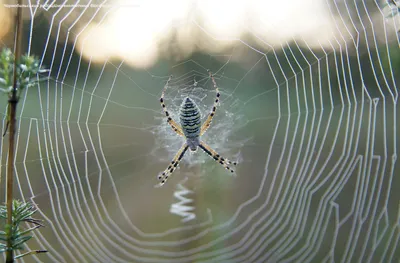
(175, 126)
(191, 129)
(218, 158)
(163, 177)
(207, 122)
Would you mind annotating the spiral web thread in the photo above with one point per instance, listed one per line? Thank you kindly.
(318, 146)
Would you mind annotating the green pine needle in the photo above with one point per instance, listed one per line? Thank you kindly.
(22, 213)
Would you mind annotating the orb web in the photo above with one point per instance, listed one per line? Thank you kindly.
(314, 127)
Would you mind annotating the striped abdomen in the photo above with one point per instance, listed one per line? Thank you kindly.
(190, 119)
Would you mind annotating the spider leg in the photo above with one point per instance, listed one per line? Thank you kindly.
(224, 162)
(175, 126)
(163, 177)
(207, 122)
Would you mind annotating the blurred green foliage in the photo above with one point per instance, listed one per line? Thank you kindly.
(27, 68)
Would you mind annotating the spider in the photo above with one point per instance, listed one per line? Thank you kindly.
(191, 129)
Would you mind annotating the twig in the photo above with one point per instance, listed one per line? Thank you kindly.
(12, 102)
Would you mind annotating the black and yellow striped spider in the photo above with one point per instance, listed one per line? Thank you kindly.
(191, 129)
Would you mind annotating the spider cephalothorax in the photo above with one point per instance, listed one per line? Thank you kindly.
(191, 128)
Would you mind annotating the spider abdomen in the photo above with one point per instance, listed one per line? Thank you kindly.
(190, 119)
